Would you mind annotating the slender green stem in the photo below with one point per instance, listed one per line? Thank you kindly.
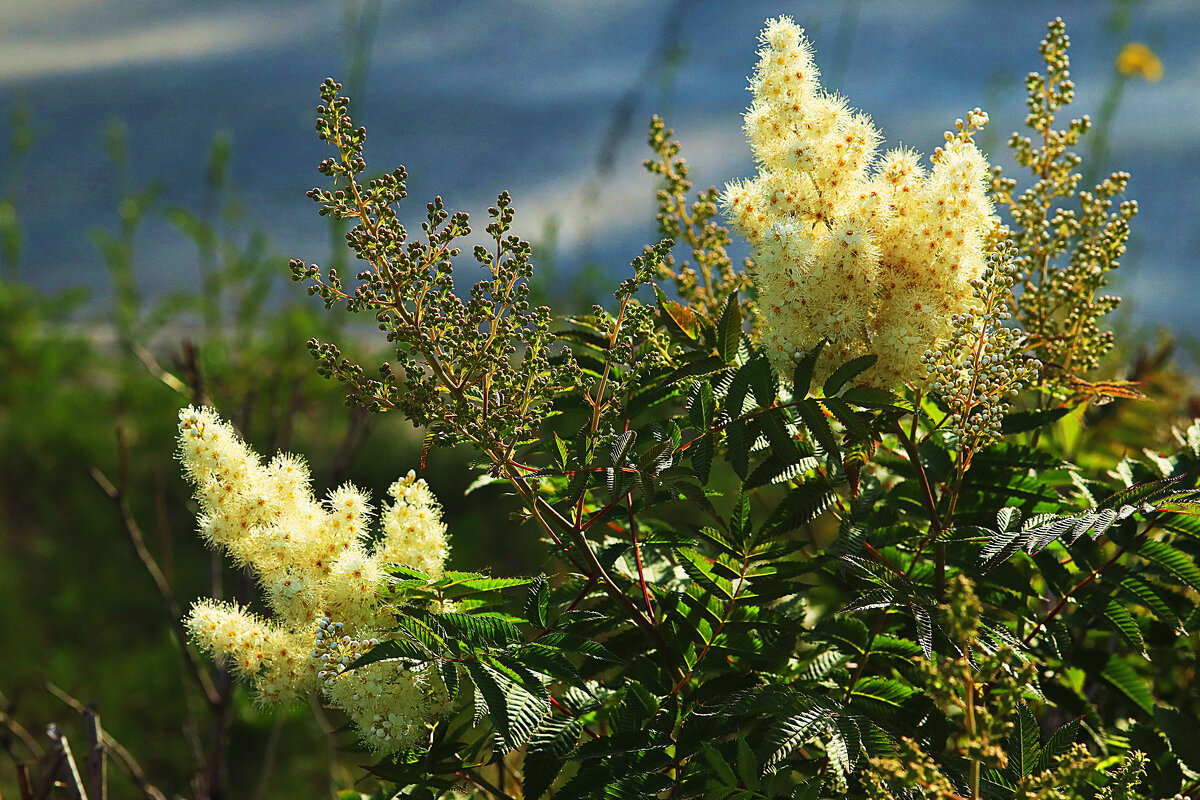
(637, 552)
(935, 530)
(876, 629)
(484, 783)
(970, 709)
(717, 632)
(543, 512)
(936, 527)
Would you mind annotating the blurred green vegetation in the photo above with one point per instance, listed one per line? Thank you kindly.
(89, 388)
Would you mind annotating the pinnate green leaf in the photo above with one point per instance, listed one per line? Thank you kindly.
(847, 372)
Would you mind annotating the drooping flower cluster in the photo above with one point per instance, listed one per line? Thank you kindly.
(315, 564)
(874, 254)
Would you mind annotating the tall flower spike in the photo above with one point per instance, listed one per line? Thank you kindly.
(872, 254)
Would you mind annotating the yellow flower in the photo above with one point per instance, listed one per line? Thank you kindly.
(1138, 59)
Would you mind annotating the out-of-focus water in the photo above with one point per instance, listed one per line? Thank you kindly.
(475, 97)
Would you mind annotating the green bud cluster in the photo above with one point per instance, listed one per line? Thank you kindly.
(980, 370)
(471, 368)
(710, 277)
(1065, 254)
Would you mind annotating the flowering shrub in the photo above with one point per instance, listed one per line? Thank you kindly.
(822, 541)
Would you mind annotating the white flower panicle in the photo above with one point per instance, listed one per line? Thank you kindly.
(314, 562)
(388, 701)
(872, 253)
(413, 531)
(276, 660)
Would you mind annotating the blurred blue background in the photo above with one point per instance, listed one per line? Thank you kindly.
(549, 99)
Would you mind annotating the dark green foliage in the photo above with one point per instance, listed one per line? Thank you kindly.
(768, 590)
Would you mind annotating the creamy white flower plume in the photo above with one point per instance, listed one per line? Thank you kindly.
(872, 253)
(315, 565)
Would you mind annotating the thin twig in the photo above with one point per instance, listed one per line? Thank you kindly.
(97, 754)
(153, 367)
(50, 776)
(116, 748)
(720, 627)
(6, 719)
(1091, 576)
(190, 363)
(569, 713)
(637, 552)
(484, 783)
(216, 772)
(23, 784)
(935, 521)
(935, 529)
(67, 760)
(268, 762)
(330, 741)
(537, 506)
(174, 611)
(213, 774)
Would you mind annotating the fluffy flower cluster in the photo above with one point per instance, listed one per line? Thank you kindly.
(874, 254)
(315, 563)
